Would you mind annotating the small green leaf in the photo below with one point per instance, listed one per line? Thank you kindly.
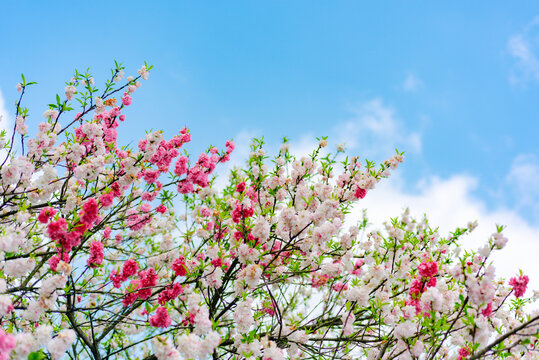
(36, 355)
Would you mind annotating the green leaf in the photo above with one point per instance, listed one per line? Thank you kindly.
(37, 355)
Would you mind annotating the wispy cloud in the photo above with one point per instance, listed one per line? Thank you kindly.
(523, 48)
(5, 124)
(522, 184)
(450, 203)
(411, 83)
(4, 115)
(374, 128)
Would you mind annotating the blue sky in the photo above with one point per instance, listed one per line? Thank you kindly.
(455, 84)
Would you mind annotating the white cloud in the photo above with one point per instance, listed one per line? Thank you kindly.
(450, 203)
(5, 124)
(524, 47)
(411, 83)
(4, 115)
(523, 183)
(375, 130)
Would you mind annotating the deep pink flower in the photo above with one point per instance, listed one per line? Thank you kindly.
(96, 254)
(46, 214)
(53, 262)
(170, 293)
(519, 284)
(147, 279)
(129, 299)
(428, 269)
(57, 228)
(130, 268)
(217, 262)
(107, 232)
(149, 196)
(487, 311)
(416, 289)
(464, 352)
(89, 212)
(179, 266)
(240, 187)
(116, 279)
(161, 319)
(360, 193)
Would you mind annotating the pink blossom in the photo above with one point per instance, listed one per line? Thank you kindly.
(96, 254)
(360, 193)
(181, 166)
(145, 207)
(240, 187)
(319, 280)
(230, 146)
(487, 311)
(163, 157)
(53, 262)
(151, 176)
(46, 214)
(339, 286)
(106, 200)
(147, 279)
(130, 268)
(118, 238)
(428, 269)
(7, 344)
(149, 196)
(129, 299)
(519, 285)
(464, 352)
(179, 266)
(89, 212)
(116, 279)
(126, 100)
(185, 187)
(416, 289)
(57, 228)
(170, 293)
(161, 319)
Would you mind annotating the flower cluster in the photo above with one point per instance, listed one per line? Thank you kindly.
(109, 252)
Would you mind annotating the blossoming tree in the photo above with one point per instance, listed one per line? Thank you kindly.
(116, 253)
